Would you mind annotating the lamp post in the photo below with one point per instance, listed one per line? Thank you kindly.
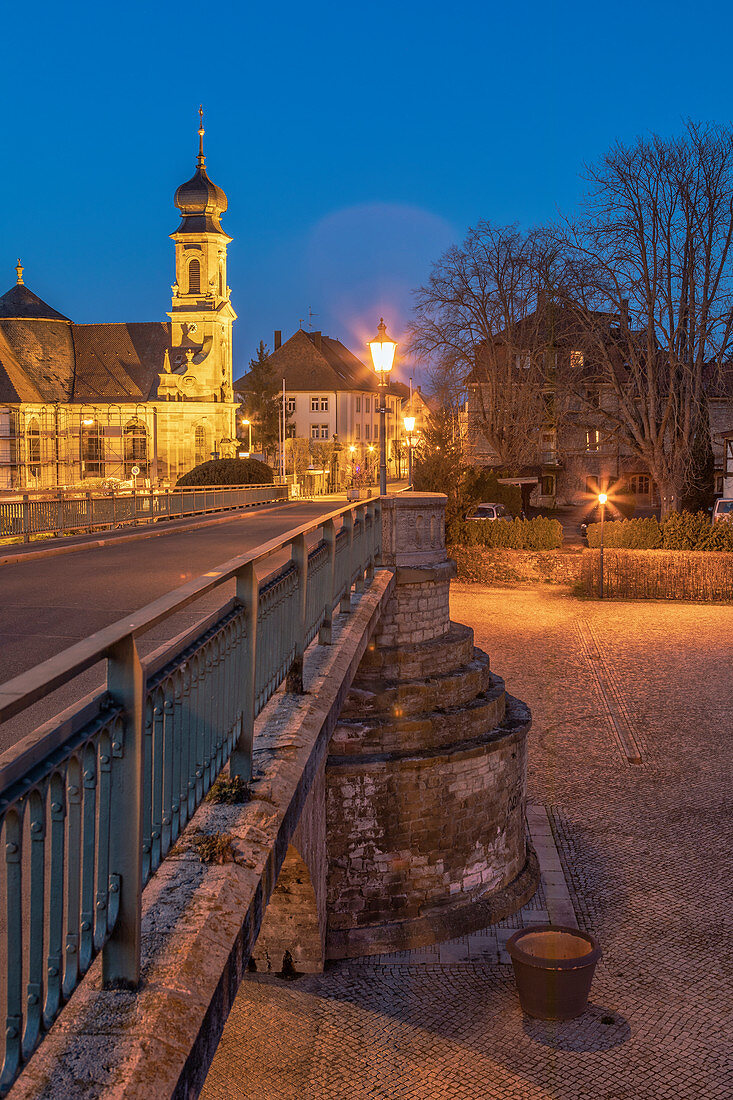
(352, 452)
(248, 425)
(602, 498)
(370, 462)
(409, 422)
(382, 349)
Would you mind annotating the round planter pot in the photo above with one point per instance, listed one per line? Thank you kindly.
(553, 969)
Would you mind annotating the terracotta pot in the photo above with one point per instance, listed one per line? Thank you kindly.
(553, 969)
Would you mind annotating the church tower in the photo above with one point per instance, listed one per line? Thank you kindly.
(199, 364)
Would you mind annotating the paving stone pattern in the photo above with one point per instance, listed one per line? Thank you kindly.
(639, 854)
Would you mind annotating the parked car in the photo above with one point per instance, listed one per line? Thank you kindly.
(491, 511)
(723, 511)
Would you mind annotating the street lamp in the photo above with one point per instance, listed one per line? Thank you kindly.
(409, 422)
(370, 464)
(602, 498)
(352, 451)
(382, 349)
(248, 425)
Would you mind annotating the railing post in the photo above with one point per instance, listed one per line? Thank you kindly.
(89, 511)
(121, 954)
(247, 591)
(60, 518)
(294, 681)
(348, 523)
(325, 634)
(113, 511)
(134, 507)
(361, 516)
(26, 518)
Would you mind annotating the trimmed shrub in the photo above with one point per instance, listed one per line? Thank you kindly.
(685, 530)
(540, 533)
(720, 537)
(627, 534)
(228, 471)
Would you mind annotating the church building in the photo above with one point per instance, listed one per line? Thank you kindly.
(84, 404)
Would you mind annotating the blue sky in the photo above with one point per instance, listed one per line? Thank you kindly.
(354, 142)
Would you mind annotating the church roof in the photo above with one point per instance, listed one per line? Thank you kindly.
(311, 361)
(20, 301)
(119, 362)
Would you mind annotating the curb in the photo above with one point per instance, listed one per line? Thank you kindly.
(95, 544)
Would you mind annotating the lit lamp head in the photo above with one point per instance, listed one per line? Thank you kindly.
(602, 498)
(243, 454)
(352, 448)
(382, 349)
(370, 448)
(409, 422)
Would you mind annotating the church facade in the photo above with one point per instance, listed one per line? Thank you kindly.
(86, 405)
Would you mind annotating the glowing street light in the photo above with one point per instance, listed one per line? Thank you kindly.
(382, 348)
(247, 424)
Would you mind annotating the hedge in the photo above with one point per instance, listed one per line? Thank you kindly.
(229, 471)
(679, 531)
(539, 533)
(659, 575)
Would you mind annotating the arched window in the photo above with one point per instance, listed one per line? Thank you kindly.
(91, 448)
(136, 447)
(33, 435)
(202, 447)
(194, 277)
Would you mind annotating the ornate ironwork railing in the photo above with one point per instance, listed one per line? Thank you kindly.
(92, 801)
(66, 513)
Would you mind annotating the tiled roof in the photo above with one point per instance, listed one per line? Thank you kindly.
(310, 361)
(20, 301)
(119, 362)
(38, 356)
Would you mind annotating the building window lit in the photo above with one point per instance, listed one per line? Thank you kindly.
(202, 448)
(33, 435)
(577, 359)
(135, 447)
(548, 485)
(640, 485)
(524, 362)
(91, 447)
(194, 277)
(592, 439)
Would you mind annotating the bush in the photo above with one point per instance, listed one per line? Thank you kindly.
(680, 531)
(627, 534)
(518, 534)
(228, 471)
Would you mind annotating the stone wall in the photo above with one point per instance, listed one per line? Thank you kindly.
(425, 778)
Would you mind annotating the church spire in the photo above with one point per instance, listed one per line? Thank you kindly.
(201, 158)
(19, 272)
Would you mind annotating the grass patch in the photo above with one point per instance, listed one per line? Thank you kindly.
(229, 791)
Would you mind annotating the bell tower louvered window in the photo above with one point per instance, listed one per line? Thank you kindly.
(194, 277)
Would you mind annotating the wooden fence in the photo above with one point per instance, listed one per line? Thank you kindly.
(659, 574)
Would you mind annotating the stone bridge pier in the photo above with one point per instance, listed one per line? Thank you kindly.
(413, 830)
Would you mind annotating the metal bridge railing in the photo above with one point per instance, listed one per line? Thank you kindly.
(65, 513)
(91, 803)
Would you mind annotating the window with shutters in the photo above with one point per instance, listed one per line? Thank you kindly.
(194, 277)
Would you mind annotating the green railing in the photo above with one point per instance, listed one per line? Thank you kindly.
(92, 802)
(63, 513)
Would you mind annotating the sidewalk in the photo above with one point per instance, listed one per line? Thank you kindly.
(636, 853)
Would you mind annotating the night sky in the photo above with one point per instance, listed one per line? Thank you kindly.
(354, 142)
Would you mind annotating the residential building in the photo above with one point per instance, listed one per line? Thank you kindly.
(83, 403)
(332, 398)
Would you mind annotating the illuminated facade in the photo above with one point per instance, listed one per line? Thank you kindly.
(85, 404)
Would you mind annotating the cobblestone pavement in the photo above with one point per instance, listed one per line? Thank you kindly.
(645, 853)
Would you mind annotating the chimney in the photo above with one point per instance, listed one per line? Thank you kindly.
(317, 340)
(278, 338)
(624, 319)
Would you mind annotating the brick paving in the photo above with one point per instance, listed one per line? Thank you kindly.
(638, 853)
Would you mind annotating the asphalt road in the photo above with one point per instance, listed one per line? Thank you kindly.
(47, 605)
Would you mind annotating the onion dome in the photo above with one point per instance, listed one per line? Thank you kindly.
(200, 201)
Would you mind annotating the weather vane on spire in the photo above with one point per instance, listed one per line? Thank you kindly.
(201, 159)
(19, 272)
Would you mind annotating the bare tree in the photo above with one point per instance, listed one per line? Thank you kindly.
(649, 280)
(476, 323)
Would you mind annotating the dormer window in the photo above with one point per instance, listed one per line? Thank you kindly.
(194, 277)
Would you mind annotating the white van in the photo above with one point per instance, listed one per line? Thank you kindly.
(723, 511)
